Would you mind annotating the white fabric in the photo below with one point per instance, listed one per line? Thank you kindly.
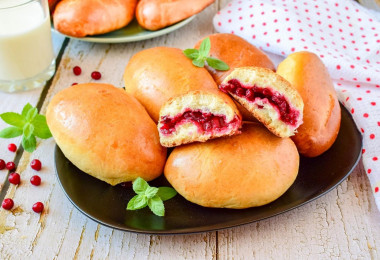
(344, 34)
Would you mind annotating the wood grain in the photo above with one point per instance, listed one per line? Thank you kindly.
(344, 224)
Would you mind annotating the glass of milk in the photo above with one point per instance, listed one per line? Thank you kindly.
(26, 52)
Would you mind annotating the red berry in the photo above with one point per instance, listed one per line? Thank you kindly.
(2, 164)
(7, 204)
(74, 84)
(35, 180)
(14, 178)
(38, 207)
(96, 75)
(12, 147)
(36, 165)
(77, 70)
(10, 166)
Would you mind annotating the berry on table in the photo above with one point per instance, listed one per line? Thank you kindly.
(96, 75)
(77, 70)
(2, 164)
(14, 178)
(35, 180)
(7, 204)
(12, 147)
(36, 164)
(10, 166)
(38, 207)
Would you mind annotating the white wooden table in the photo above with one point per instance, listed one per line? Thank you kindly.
(343, 224)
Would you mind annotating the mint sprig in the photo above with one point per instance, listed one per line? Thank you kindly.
(29, 124)
(150, 196)
(201, 56)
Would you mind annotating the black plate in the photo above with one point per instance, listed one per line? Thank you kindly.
(106, 204)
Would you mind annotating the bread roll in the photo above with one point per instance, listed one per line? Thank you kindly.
(79, 18)
(321, 122)
(157, 14)
(157, 74)
(241, 171)
(197, 116)
(236, 52)
(106, 133)
(268, 96)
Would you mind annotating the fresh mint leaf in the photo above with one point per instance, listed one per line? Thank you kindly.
(166, 193)
(29, 124)
(156, 205)
(28, 130)
(150, 196)
(140, 185)
(10, 132)
(200, 56)
(217, 64)
(29, 144)
(13, 119)
(150, 192)
(26, 109)
(199, 63)
(31, 114)
(191, 53)
(137, 202)
(205, 47)
(41, 128)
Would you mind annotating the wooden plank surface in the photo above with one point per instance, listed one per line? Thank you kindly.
(14, 102)
(343, 224)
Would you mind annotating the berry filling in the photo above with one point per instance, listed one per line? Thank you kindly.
(288, 114)
(205, 121)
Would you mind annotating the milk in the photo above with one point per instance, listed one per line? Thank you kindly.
(25, 41)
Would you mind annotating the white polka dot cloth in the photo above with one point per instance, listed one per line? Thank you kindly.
(344, 34)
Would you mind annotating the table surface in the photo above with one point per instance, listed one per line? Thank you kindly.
(344, 223)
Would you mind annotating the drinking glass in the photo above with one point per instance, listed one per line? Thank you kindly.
(26, 50)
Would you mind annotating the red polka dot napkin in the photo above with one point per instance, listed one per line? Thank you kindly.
(344, 34)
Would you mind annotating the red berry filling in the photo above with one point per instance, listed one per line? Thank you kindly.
(287, 114)
(205, 121)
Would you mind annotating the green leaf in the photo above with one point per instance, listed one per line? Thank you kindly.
(10, 132)
(140, 185)
(31, 114)
(137, 202)
(205, 47)
(14, 119)
(191, 53)
(26, 109)
(199, 63)
(217, 64)
(41, 128)
(29, 144)
(28, 130)
(166, 193)
(150, 192)
(156, 205)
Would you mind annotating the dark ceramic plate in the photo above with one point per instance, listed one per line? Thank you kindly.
(106, 204)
